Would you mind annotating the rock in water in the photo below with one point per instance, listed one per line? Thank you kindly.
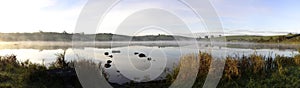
(136, 53)
(106, 53)
(109, 61)
(111, 56)
(142, 55)
(107, 65)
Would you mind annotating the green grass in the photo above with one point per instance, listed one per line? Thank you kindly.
(285, 39)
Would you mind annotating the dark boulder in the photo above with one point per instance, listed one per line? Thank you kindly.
(107, 65)
(136, 53)
(111, 56)
(106, 53)
(142, 55)
(109, 61)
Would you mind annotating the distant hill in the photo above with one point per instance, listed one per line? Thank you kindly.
(290, 38)
(228, 32)
(53, 36)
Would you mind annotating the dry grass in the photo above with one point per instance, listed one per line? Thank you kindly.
(242, 71)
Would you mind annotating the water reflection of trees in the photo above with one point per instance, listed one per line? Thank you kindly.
(108, 45)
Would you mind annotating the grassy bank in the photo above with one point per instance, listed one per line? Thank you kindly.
(15, 74)
(247, 71)
(284, 39)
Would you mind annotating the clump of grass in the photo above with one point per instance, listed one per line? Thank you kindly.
(297, 59)
(205, 61)
(231, 68)
(190, 64)
(60, 61)
(257, 62)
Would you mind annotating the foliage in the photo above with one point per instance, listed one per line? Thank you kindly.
(15, 74)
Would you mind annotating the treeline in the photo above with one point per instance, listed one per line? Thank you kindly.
(290, 38)
(54, 36)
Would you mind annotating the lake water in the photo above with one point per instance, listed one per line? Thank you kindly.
(162, 54)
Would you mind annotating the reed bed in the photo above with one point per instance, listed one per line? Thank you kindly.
(246, 71)
(16, 74)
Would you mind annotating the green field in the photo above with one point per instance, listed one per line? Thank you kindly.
(291, 38)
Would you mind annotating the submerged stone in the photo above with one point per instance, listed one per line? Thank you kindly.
(116, 51)
(107, 65)
(111, 56)
(106, 53)
(136, 53)
(109, 61)
(142, 55)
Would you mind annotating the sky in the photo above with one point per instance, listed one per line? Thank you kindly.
(62, 15)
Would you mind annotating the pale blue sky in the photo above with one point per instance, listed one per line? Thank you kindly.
(59, 15)
(260, 15)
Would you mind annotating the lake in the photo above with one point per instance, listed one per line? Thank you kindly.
(159, 56)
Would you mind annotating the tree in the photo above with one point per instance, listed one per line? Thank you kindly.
(40, 31)
(64, 32)
(206, 37)
(271, 39)
(82, 33)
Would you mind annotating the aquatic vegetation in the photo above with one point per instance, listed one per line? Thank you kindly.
(297, 59)
(16, 74)
(231, 68)
(248, 71)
